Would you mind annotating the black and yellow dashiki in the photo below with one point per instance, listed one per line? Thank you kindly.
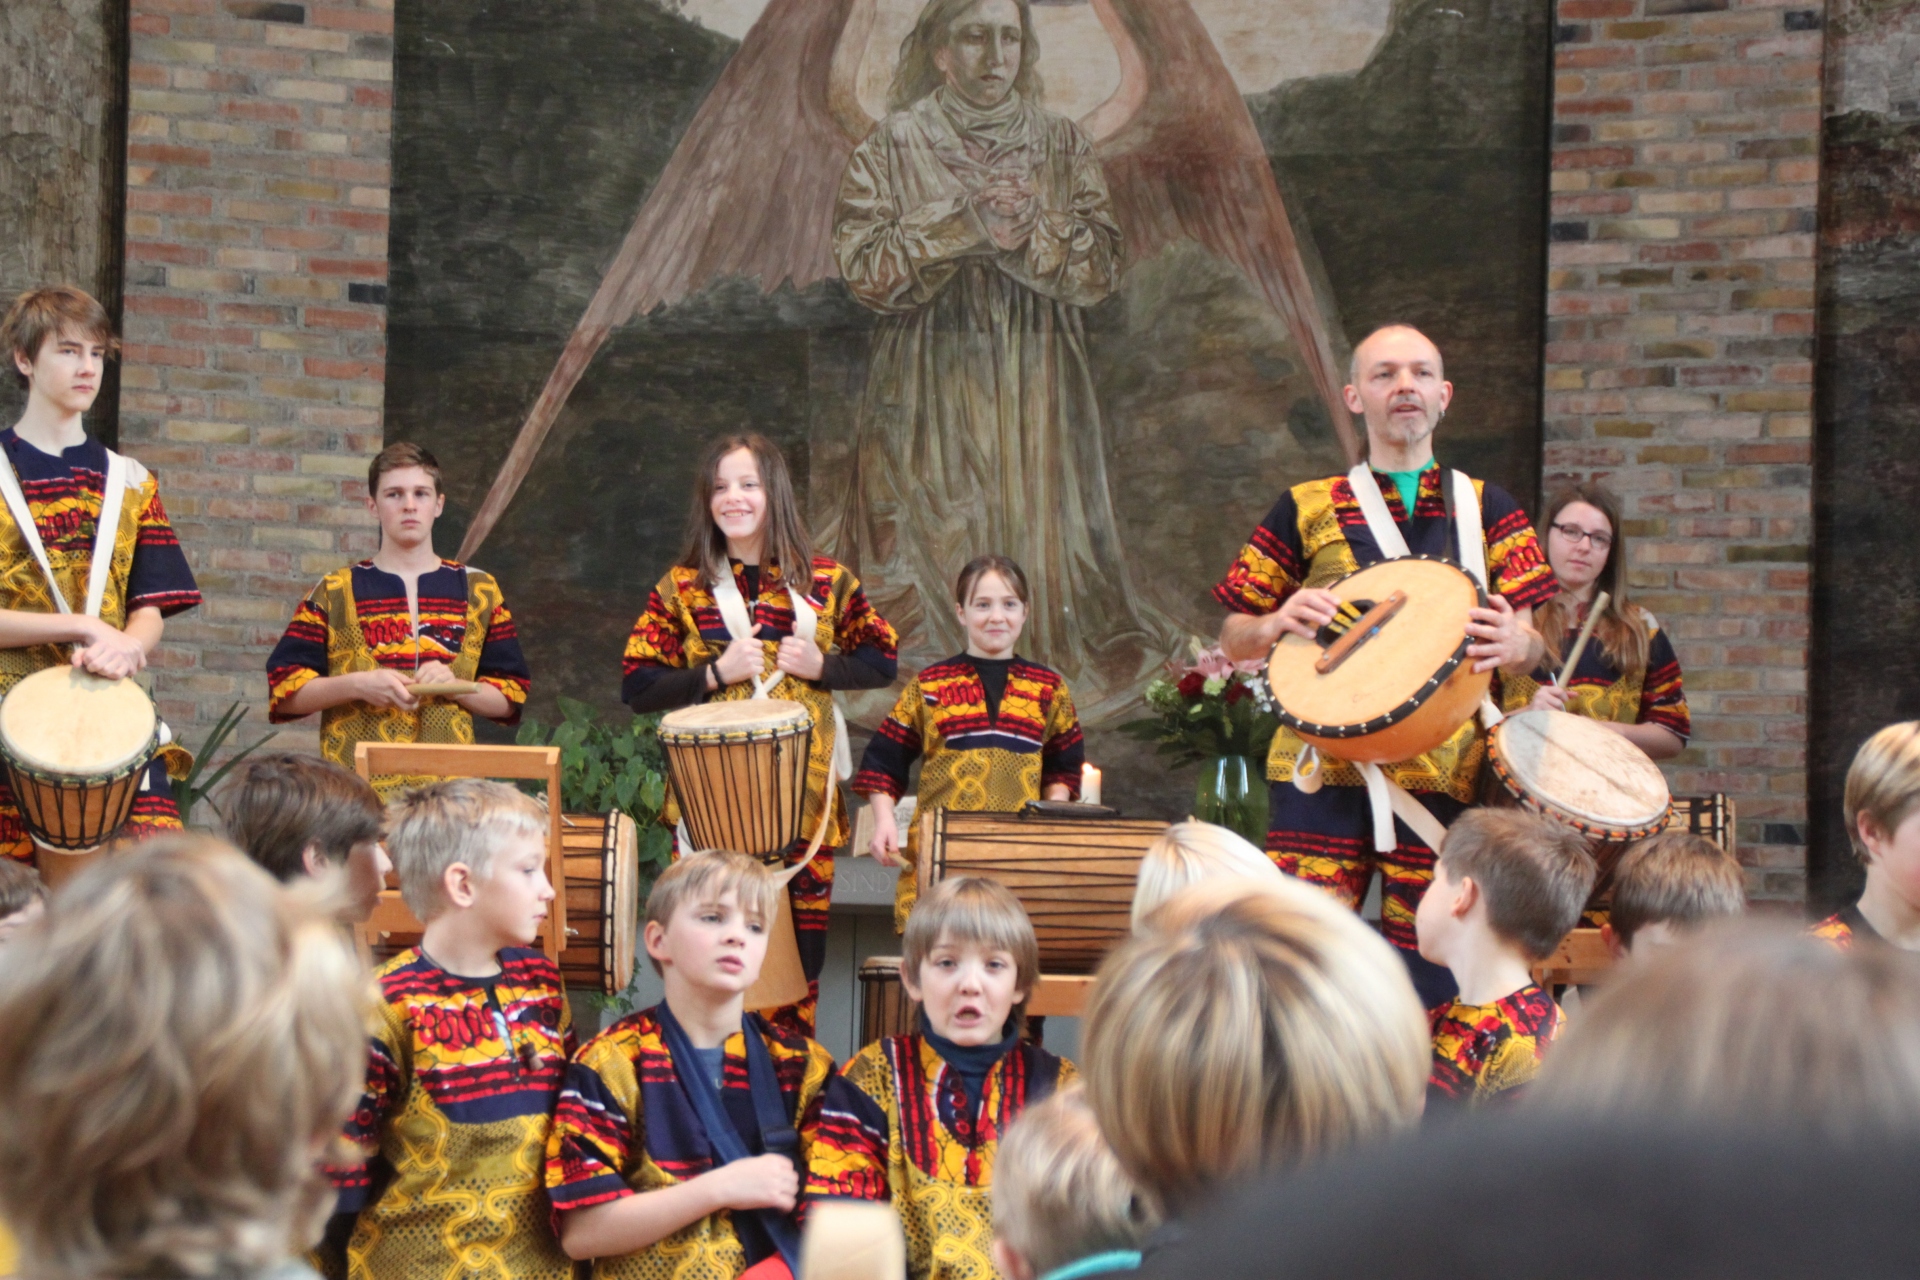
(682, 633)
(990, 735)
(1600, 690)
(148, 570)
(463, 1075)
(1480, 1051)
(357, 619)
(902, 1124)
(1846, 927)
(1315, 535)
(626, 1126)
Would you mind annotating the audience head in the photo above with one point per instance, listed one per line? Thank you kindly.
(708, 918)
(969, 959)
(1668, 885)
(473, 845)
(178, 1051)
(1187, 853)
(23, 897)
(1749, 1022)
(1058, 1193)
(300, 815)
(1521, 876)
(1253, 1026)
(1883, 807)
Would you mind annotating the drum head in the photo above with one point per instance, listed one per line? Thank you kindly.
(1581, 768)
(1393, 672)
(622, 903)
(65, 721)
(741, 715)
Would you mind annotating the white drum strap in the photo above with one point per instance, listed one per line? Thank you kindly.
(1373, 505)
(806, 621)
(1473, 558)
(1386, 799)
(106, 528)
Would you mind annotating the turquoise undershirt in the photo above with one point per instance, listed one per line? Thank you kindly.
(1408, 483)
(1098, 1264)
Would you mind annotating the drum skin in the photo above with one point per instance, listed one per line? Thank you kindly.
(739, 771)
(1578, 771)
(1405, 690)
(76, 748)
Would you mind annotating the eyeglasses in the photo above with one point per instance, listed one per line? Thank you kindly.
(1576, 535)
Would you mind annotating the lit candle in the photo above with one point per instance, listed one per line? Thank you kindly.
(1089, 784)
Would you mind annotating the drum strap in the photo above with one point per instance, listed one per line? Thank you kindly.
(106, 529)
(806, 621)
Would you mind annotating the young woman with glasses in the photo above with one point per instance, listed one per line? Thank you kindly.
(1628, 677)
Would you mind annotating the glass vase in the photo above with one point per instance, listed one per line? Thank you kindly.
(1233, 794)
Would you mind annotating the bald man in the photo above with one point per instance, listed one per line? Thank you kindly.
(1394, 504)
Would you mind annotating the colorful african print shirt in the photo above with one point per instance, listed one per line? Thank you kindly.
(1480, 1050)
(626, 1126)
(1600, 690)
(357, 619)
(682, 628)
(1316, 535)
(973, 757)
(1844, 928)
(898, 1127)
(148, 571)
(462, 1079)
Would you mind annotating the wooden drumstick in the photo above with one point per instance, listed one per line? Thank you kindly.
(1580, 645)
(443, 689)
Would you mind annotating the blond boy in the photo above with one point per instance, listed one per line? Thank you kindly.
(1062, 1207)
(683, 1128)
(1883, 822)
(1507, 887)
(23, 899)
(467, 1052)
(1666, 887)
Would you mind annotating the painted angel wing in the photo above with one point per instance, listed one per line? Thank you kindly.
(748, 192)
(1184, 161)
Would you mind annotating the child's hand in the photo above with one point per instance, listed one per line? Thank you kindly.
(109, 652)
(384, 688)
(760, 1182)
(885, 845)
(743, 659)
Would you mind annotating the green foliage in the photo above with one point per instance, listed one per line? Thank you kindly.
(611, 766)
(1197, 718)
(198, 785)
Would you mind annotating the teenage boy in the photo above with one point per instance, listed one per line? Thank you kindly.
(1667, 886)
(683, 1129)
(468, 1050)
(1506, 889)
(1882, 809)
(370, 632)
(300, 816)
(70, 500)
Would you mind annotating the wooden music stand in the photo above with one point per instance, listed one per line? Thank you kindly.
(451, 760)
(1580, 959)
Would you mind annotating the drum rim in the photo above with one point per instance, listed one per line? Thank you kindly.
(668, 731)
(103, 773)
(1396, 714)
(706, 738)
(1598, 828)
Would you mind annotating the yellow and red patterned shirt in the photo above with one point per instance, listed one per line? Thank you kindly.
(1482, 1050)
(1844, 928)
(626, 1126)
(973, 756)
(898, 1126)
(1602, 691)
(1316, 535)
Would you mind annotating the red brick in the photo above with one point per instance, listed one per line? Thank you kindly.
(360, 268)
(165, 154)
(340, 318)
(346, 370)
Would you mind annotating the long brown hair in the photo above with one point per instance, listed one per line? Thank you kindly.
(1622, 631)
(916, 74)
(785, 539)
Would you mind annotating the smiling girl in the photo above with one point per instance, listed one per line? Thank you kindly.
(750, 610)
(991, 729)
(1628, 677)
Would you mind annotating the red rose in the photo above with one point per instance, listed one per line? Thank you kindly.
(1191, 684)
(1236, 690)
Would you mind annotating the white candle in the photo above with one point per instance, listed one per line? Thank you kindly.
(1089, 784)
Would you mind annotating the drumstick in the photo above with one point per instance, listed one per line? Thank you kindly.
(443, 688)
(1580, 645)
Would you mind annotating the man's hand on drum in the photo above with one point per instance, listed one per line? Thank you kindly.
(1305, 612)
(800, 656)
(1501, 639)
(383, 688)
(743, 659)
(1548, 697)
(108, 652)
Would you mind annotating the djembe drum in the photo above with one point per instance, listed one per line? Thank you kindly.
(75, 748)
(885, 1008)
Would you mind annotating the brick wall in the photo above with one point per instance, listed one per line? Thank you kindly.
(1679, 363)
(256, 244)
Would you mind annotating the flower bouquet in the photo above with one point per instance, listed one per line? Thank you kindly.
(1208, 713)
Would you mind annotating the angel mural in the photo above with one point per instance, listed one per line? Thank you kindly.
(979, 226)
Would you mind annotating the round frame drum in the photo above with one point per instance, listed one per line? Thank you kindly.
(602, 859)
(739, 772)
(76, 748)
(1390, 678)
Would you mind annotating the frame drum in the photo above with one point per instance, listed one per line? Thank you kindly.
(76, 749)
(739, 771)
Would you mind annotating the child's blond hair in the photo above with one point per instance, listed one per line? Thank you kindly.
(1883, 783)
(1535, 874)
(708, 877)
(1189, 852)
(1253, 1025)
(1675, 878)
(1058, 1192)
(20, 886)
(176, 1053)
(455, 820)
(973, 909)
